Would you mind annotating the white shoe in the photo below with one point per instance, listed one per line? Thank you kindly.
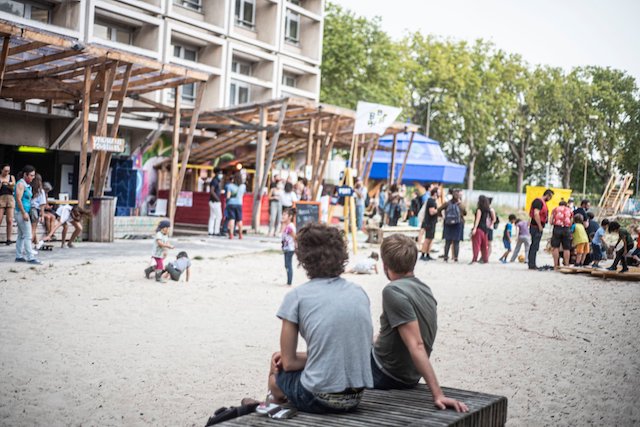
(40, 245)
(34, 251)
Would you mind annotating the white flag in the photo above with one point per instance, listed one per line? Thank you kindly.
(374, 118)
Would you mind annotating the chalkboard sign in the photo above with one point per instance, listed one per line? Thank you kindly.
(307, 212)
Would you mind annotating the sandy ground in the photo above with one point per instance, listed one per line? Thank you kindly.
(86, 340)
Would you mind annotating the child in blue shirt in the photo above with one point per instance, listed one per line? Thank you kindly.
(506, 238)
(597, 244)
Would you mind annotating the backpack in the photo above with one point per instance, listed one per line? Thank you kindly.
(452, 214)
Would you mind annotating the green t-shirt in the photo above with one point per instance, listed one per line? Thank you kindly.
(625, 235)
(404, 301)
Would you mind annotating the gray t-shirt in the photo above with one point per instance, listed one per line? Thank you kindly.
(334, 319)
(182, 264)
(404, 301)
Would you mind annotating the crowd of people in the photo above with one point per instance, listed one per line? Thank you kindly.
(25, 199)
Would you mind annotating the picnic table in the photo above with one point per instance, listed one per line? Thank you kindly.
(399, 408)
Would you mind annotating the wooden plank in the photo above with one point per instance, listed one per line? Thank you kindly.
(175, 142)
(25, 48)
(3, 59)
(43, 60)
(186, 152)
(367, 171)
(51, 71)
(393, 158)
(406, 157)
(98, 173)
(327, 155)
(84, 144)
(310, 143)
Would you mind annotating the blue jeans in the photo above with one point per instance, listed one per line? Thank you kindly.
(288, 264)
(300, 397)
(359, 216)
(382, 381)
(536, 236)
(23, 241)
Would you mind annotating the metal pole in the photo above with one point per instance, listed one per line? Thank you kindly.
(428, 118)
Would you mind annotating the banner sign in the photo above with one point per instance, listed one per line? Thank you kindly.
(105, 143)
(185, 199)
(374, 118)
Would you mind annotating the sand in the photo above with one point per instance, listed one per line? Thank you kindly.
(86, 340)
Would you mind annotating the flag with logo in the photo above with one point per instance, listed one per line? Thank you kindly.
(374, 118)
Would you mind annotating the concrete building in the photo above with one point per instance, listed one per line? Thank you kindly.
(254, 50)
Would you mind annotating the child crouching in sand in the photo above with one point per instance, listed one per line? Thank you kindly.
(160, 244)
(366, 266)
(182, 264)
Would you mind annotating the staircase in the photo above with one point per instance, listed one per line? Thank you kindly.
(615, 196)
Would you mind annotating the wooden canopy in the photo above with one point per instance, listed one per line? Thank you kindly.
(51, 70)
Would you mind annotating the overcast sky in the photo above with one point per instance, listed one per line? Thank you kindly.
(564, 33)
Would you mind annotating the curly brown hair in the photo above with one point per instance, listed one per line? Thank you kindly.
(322, 251)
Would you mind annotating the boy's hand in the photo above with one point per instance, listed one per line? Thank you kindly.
(447, 402)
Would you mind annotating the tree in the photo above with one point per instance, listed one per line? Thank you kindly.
(360, 62)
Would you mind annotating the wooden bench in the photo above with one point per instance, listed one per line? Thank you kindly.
(376, 234)
(400, 408)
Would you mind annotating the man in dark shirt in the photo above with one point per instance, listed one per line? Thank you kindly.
(429, 224)
(582, 210)
(625, 238)
(539, 213)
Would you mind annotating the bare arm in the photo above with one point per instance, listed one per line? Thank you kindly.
(410, 334)
(291, 360)
(19, 194)
(188, 273)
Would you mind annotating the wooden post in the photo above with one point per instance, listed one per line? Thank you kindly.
(84, 144)
(406, 156)
(3, 59)
(260, 165)
(257, 205)
(175, 142)
(350, 212)
(392, 173)
(327, 149)
(101, 129)
(367, 171)
(310, 143)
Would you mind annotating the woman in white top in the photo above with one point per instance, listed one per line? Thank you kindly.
(289, 197)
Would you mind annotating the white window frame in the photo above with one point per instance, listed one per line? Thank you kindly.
(188, 98)
(242, 20)
(234, 98)
(290, 17)
(182, 51)
(27, 9)
(296, 2)
(237, 64)
(288, 78)
(111, 26)
(195, 5)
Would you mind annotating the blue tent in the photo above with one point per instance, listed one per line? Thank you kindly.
(426, 161)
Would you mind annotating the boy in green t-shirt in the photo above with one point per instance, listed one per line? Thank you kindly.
(407, 326)
(627, 245)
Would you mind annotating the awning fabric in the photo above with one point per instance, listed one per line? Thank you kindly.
(426, 162)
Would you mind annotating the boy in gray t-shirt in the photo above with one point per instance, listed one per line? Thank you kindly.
(333, 317)
(408, 326)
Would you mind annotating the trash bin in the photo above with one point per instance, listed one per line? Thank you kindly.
(103, 210)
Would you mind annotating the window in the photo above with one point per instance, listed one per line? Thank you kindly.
(296, 2)
(114, 32)
(33, 10)
(190, 53)
(188, 93)
(239, 93)
(246, 13)
(290, 80)
(292, 27)
(190, 4)
(241, 67)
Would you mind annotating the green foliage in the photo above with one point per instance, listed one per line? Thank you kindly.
(503, 118)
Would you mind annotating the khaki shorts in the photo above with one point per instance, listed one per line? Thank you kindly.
(7, 201)
(582, 248)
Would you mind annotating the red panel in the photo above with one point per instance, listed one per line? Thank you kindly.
(199, 212)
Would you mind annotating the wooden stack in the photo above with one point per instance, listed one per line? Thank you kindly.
(615, 196)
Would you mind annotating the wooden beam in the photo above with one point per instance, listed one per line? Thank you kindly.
(406, 157)
(367, 171)
(84, 144)
(392, 173)
(43, 60)
(186, 152)
(175, 142)
(53, 70)
(162, 107)
(326, 155)
(310, 143)
(26, 47)
(257, 205)
(3, 59)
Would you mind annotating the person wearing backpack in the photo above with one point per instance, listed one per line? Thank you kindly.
(454, 214)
